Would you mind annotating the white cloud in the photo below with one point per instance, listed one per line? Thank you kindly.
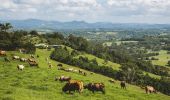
(89, 10)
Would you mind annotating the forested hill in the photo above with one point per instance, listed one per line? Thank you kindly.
(54, 25)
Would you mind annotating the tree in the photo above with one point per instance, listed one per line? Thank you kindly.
(129, 71)
(169, 63)
(34, 32)
(6, 26)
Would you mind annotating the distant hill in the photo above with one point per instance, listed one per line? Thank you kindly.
(73, 25)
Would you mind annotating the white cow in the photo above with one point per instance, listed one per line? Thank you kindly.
(20, 67)
(23, 59)
(16, 57)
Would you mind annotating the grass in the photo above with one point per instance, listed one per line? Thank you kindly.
(38, 83)
(101, 62)
(120, 42)
(163, 58)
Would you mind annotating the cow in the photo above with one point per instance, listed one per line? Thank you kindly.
(84, 73)
(63, 78)
(69, 70)
(80, 71)
(23, 59)
(50, 66)
(150, 89)
(15, 57)
(75, 71)
(95, 87)
(60, 65)
(22, 50)
(73, 85)
(32, 56)
(20, 67)
(111, 81)
(31, 60)
(123, 84)
(2, 53)
(33, 64)
(6, 59)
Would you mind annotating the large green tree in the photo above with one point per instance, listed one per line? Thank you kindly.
(6, 26)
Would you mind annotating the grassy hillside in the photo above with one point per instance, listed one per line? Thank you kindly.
(100, 61)
(115, 66)
(38, 83)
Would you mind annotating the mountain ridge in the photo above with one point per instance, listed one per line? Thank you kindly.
(54, 25)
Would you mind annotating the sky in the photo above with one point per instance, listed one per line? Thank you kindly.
(116, 11)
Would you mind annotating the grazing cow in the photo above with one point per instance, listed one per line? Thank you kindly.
(31, 60)
(75, 71)
(50, 66)
(123, 84)
(95, 87)
(2, 53)
(84, 73)
(22, 50)
(20, 67)
(15, 57)
(32, 56)
(81, 72)
(73, 85)
(63, 78)
(23, 59)
(6, 59)
(69, 70)
(33, 64)
(111, 81)
(60, 65)
(150, 89)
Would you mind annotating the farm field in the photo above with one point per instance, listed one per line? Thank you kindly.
(163, 58)
(38, 83)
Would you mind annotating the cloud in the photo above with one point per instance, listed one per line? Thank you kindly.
(88, 10)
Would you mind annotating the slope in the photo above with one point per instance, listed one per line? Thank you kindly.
(38, 83)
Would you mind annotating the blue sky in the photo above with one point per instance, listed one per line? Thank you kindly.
(117, 11)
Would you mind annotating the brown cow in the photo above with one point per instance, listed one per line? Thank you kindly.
(150, 89)
(123, 84)
(83, 73)
(80, 71)
(33, 64)
(95, 87)
(31, 60)
(73, 85)
(63, 78)
(2, 53)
